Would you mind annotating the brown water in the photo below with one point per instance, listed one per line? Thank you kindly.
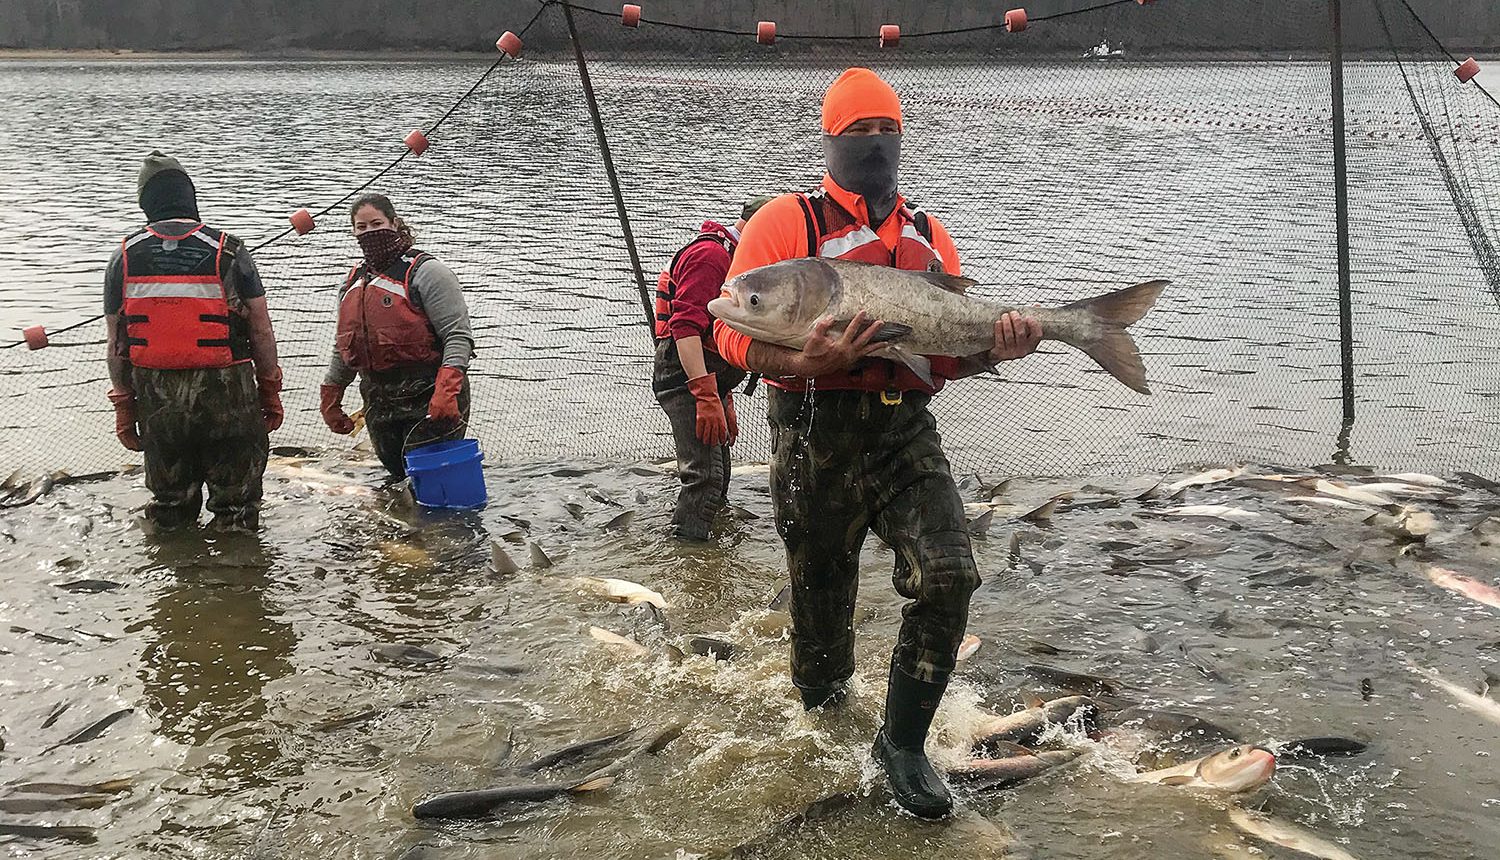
(234, 651)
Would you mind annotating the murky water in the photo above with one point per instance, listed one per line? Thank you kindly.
(238, 656)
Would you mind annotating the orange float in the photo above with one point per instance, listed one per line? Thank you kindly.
(765, 32)
(302, 222)
(1015, 20)
(36, 337)
(509, 44)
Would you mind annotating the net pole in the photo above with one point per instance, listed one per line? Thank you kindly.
(609, 167)
(1341, 200)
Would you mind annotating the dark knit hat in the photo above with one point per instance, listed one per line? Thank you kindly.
(754, 206)
(154, 164)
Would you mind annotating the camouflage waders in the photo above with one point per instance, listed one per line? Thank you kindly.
(844, 463)
(197, 427)
(703, 469)
(395, 404)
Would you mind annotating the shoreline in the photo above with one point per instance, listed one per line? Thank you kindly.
(434, 55)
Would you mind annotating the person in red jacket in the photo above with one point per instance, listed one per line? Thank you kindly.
(855, 449)
(691, 382)
(192, 357)
(403, 328)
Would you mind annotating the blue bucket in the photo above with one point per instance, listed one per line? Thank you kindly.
(447, 474)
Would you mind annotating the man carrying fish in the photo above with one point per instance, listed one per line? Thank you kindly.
(850, 304)
(192, 356)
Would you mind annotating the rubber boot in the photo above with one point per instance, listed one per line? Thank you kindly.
(829, 696)
(901, 746)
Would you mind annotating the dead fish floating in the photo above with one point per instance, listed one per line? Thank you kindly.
(621, 591)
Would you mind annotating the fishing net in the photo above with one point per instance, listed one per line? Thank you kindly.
(1204, 153)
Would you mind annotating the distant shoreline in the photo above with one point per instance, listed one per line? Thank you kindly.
(430, 55)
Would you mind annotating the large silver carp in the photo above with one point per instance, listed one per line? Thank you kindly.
(924, 313)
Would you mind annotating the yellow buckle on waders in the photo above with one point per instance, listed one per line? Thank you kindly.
(890, 397)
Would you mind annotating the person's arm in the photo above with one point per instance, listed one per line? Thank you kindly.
(117, 354)
(699, 275)
(252, 294)
(437, 291)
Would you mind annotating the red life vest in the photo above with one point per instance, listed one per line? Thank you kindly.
(176, 302)
(379, 326)
(666, 288)
(833, 232)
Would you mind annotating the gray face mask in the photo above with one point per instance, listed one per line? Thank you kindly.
(865, 165)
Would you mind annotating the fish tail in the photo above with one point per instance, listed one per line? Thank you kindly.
(1114, 349)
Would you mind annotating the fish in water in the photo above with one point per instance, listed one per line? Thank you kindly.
(1172, 723)
(57, 712)
(924, 313)
(113, 786)
(1457, 583)
(539, 557)
(969, 647)
(1484, 706)
(782, 599)
(1320, 747)
(82, 835)
(486, 802)
(1218, 512)
(500, 560)
(1287, 836)
(89, 586)
(622, 591)
(620, 522)
(980, 525)
(403, 655)
(1075, 681)
(707, 646)
(629, 646)
(1235, 770)
(1204, 479)
(38, 488)
(1042, 513)
(94, 730)
(1023, 727)
(33, 805)
(1001, 772)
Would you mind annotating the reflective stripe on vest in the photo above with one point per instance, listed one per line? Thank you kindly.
(841, 236)
(175, 302)
(379, 327)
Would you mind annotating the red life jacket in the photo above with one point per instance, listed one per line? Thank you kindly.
(379, 326)
(833, 232)
(177, 303)
(666, 288)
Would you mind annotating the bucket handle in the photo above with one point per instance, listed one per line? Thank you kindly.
(405, 443)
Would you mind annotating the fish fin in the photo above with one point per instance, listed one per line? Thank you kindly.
(1115, 350)
(1180, 779)
(952, 283)
(1012, 748)
(917, 364)
(593, 784)
(1032, 700)
(890, 332)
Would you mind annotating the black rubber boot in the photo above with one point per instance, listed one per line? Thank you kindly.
(900, 746)
(828, 696)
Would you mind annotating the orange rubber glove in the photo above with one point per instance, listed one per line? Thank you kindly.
(731, 419)
(125, 431)
(713, 426)
(332, 408)
(443, 408)
(269, 389)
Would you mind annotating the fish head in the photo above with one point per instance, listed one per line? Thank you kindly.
(778, 303)
(1237, 769)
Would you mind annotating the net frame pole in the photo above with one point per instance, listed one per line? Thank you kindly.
(609, 168)
(1341, 202)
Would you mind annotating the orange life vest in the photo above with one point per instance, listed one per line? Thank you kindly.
(833, 232)
(176, 304)
(379, 326)
(666, 288)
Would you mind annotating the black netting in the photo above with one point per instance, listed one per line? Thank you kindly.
(1203, 154)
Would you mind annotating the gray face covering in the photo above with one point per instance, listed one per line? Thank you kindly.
(865, 165)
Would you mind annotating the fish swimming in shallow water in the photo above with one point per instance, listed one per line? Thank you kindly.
(622, 591)
(629, 646)
(1237, 769)
(1024, 727)
(969, 647)
(1287, 836)
(1482, 705)
(1457, 583)
(1000, 772)
(924, 313)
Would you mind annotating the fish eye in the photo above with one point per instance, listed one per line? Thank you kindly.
(754, 300)
(1234, 753)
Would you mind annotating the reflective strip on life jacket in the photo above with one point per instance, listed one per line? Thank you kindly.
(179, 321)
